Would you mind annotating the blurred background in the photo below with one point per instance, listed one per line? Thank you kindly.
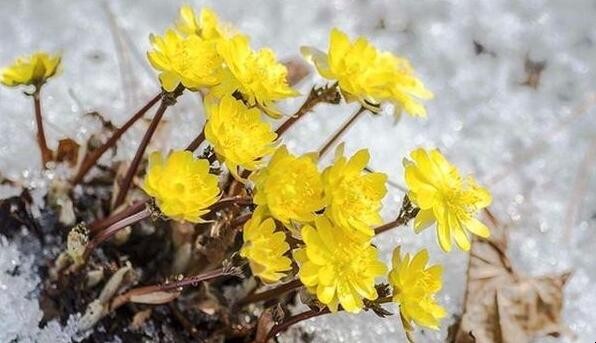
(515, 99)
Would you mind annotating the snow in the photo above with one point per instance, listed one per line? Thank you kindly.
(527, 145)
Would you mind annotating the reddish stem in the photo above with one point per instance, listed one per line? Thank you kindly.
(194, 145)
(340, 131)
(283, 326)
(270, 294)
(46, 153)
(327, 94)
(134, 166)
(111, 230)
(105, 222)
(92, 157)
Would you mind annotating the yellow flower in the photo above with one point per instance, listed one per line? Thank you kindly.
(181, 185)
(354, 197)
(290, 187)
(414, 287)
(192, 61)
(264, 248)
(256, 75)
(30, 70)
(337, 268)
(206, 26)
(238, 134)
(368, 75)
(445, 198)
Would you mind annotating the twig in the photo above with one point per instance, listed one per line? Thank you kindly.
(407, 212)
(317, 95)
(346, 125)
(105, 222)
(92, 157)
(172, 286)
(194, 145)
(46, 153)
(270, 294)
(111, 230)
(168, 99)
(287, 323)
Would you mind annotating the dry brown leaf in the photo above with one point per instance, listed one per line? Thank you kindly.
(501, 304)
(264, 324)
(68, 151)
(154, 298)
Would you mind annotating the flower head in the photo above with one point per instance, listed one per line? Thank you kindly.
(191, 60)
(290, 187)
(181, 185)
(354, 197)
(206, 26)
(265, 248)
(368, 75)
(256, 75)
(238, 134)
(414, 287)
(446, 198)
(336, 267)
(30, 70)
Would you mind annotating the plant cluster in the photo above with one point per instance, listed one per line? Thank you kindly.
(296, 224)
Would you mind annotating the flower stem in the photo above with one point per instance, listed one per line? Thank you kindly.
(92, 157)
(317, 95)
(284, 325)
(167, 100)
(194, 145)
(46, 153)
(229, 201)
(172, 286)
(407, 212)
(105, 222)
(346, 125)
(270, 294)
(111, 230)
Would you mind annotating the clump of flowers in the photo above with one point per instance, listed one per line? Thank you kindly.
(445, 198)
(238, 134)
(30, 70)
(368, 75)
(414, 287)
(239, 196)
(339, 269)
(181, 185)
(265, 248)
(354, 196)
(290, 187)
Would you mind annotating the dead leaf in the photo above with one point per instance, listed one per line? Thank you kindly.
(501, 304)
(154, 298)
(68, 151)
(264, 324)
